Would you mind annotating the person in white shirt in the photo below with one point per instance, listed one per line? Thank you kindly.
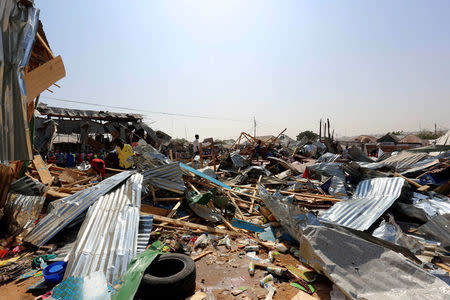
(196, 145)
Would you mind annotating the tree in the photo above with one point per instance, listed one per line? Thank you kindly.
(430, 135)
(399, 132)
(309, 134)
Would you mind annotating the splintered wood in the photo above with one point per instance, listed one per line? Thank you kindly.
(41, 168)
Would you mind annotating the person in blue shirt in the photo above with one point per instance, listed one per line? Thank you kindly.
(70, 160)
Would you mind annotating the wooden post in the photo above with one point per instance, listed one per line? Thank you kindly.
(153, 194)
(254, 194)
(201, 154)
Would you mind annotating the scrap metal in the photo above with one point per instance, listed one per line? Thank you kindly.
(168, 177)
(371, 199)
(17, 33)
(69, 208)
(108, 238)
(359, 268)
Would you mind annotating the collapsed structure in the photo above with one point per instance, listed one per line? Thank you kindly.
(278, 218)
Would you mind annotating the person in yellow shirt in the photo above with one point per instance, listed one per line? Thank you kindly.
(124, 151)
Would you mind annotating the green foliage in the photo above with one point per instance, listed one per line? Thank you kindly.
(430, 135)
(398, 132)
(309, 134)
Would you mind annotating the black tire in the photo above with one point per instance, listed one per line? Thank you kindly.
(169, 276)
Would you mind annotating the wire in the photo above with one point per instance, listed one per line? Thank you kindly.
(143, 110)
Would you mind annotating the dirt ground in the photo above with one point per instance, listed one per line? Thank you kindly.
(18, 290)
(222, 273)
(218, 273)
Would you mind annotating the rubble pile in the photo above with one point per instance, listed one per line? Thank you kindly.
(287, 224)
(98, 205)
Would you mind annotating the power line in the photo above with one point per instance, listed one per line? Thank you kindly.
(143, 110)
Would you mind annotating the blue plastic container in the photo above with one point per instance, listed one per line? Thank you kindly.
(54, 273)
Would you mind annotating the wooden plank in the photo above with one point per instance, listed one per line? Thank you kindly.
(42, 77)
(419, 186)
(57, 194)
(254, 194)
(82, 181)
(170, 199)
(149, 209)
(44, 44)
(44, 173)
(443, 266)
(114, 170)
(195, 258)
(239, 212)
(194, 226)
(174, 209)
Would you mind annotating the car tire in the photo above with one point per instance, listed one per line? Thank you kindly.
(169, 276)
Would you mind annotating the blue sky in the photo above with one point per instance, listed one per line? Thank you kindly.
(370, 66)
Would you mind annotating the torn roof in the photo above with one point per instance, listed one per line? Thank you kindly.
(51, 111)
(371, 199)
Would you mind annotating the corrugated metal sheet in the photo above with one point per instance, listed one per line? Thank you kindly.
(17, 33)
(237, 159)
(371, 199)
(145, 228)
(71, 207)
(421, 165)
(438, 228)
(107, 240)
(78, 113)
(27, 186)
(399, 162)
(168, 177)
(361, 269)
(432, 206)
(334, 170)
(22, 211)
(328, 157)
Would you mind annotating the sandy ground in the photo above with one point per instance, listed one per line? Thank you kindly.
(18, 290)
(219, 273)
(222, 274)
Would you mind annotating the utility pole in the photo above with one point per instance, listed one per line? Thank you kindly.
(320, 129)
(254, 127)
(435, 129)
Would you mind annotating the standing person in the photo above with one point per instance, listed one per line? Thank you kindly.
(59, 159)
(345, 152)
(79, 158)
(258, 150)
(196, 145)
(124, 151)
(70, 160)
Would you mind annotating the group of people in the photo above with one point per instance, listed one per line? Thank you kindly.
(70, 160)
(120, 154)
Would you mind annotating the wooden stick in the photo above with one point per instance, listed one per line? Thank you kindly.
(443, 266)
(170, 199)
(194, 226)
(44, 44)
(174, 209)
(82, 181)
(241, 215)
(193, 187)
(422, 187)
(254, 194)
(195, 258)
(171, 227)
